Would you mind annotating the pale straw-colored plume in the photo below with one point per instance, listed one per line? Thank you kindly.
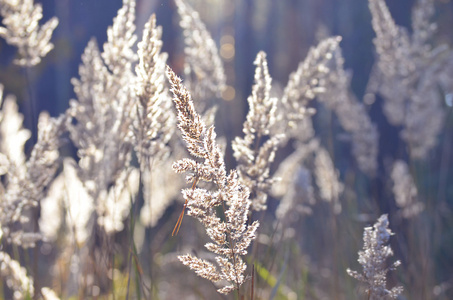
(115, 204)
(42, 165)
(293, 112)
(51, 217)
(395, 66)
(16, 277)
(327, 179)
(203, 68)
(100, 126)
(230, 236)
(78, 203)
(393, 49)
(288, 168)
(304, 85)
(373, 259)
(408, 74)
(67, 203)
(22, 30)
(25, 182)
(49, 294)
(308, 82)
(255, 152)
(351, 114)
(157, 196)
(425, 116)
(322, 76)
(100, 122)
(92, 131)
(299, 198)
(18, 281)
(118, 54)
(12, 134)
(294, 116)
(405, 190)
(295, 188)
(44, 158)
(154, 122)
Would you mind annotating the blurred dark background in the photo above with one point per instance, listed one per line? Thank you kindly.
(284, 29)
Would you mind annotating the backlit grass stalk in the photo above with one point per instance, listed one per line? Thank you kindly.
(256, 150)
(230, 236)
